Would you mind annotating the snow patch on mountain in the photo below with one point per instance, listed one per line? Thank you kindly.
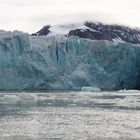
(65, 29)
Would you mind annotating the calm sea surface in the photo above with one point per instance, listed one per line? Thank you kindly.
(70, 116)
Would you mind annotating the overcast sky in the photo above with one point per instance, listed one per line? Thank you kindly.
(31, 15)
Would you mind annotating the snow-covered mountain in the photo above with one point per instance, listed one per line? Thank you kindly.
(94, 31)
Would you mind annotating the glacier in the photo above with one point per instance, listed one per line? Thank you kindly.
(57, 62)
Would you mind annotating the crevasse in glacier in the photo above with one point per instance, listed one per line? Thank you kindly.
(59, 62)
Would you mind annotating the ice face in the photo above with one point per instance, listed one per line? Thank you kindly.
(59, 62)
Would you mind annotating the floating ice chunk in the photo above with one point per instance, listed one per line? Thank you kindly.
(129, 101)
(129, 91)
(10, 99)
(28, 98)
(41, 98)
(91, 89)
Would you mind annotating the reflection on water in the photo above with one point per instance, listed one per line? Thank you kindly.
(70, 116)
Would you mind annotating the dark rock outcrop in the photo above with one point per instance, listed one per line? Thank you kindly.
(113, 33)
(44, 31)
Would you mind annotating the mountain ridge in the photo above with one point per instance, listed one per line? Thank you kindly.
(94, 31)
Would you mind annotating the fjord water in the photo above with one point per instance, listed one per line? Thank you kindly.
(70, 116)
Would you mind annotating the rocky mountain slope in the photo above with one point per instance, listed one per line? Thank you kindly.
(94, 31)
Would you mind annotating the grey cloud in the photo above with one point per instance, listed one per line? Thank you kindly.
(30, 15)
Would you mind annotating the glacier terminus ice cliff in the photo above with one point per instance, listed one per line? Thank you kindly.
(66, 62)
